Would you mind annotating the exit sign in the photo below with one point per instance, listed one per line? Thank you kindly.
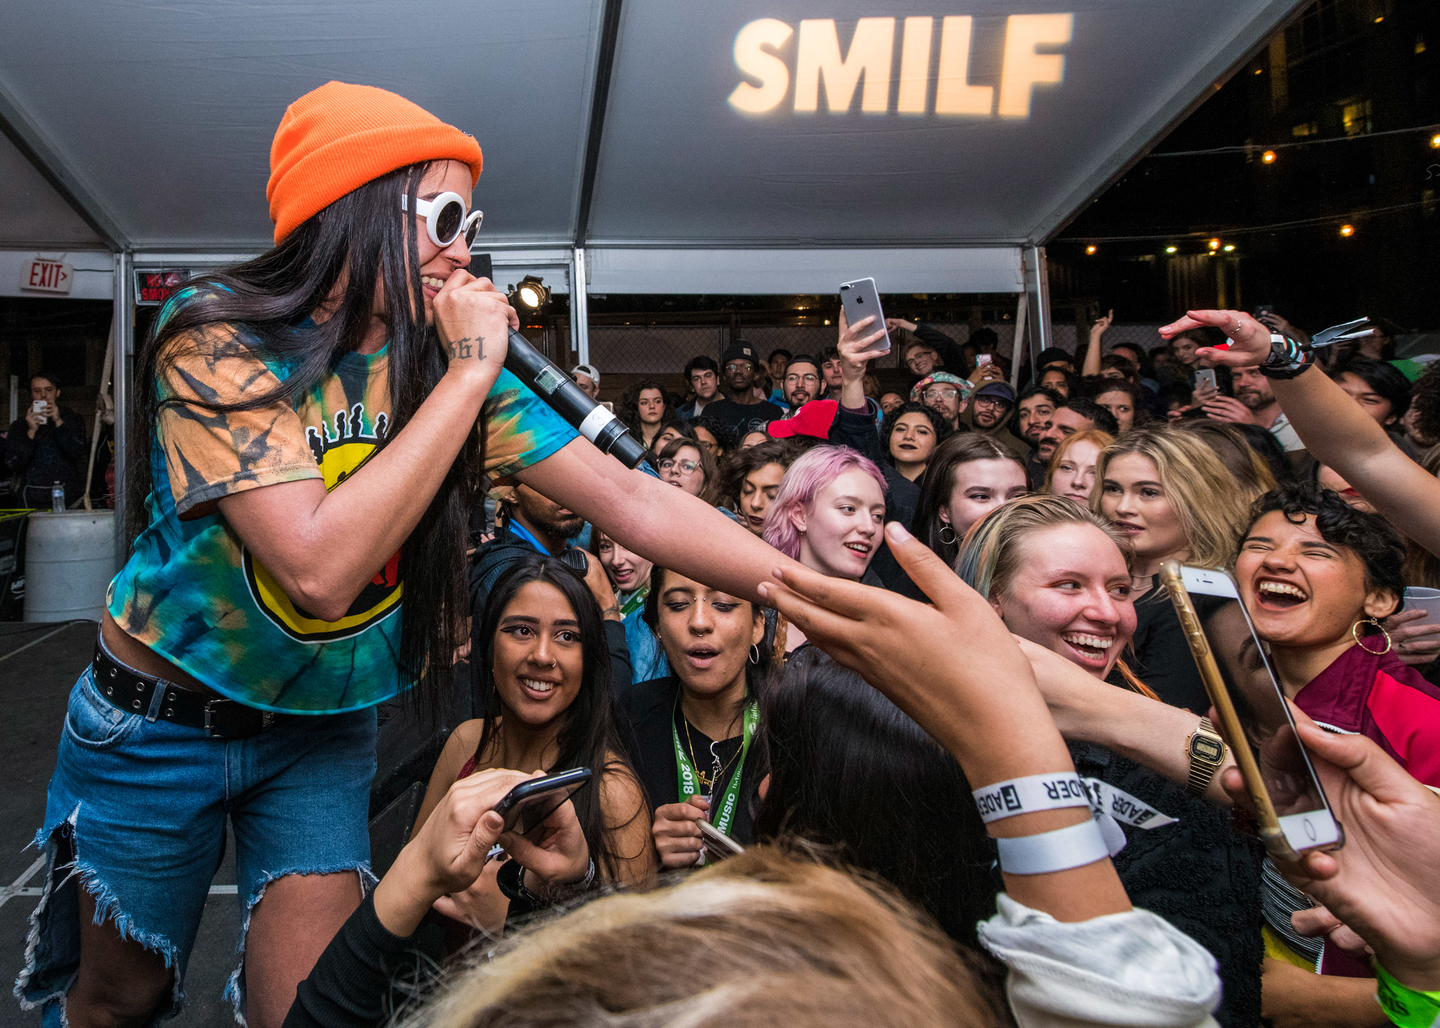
(43, 276)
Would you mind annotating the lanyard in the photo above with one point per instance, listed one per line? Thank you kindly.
(515, 528)
(635, 600)
(689, 779)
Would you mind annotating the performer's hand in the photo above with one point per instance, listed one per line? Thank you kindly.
(474, 319)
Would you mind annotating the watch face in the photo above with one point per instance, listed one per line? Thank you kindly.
(1209, 750)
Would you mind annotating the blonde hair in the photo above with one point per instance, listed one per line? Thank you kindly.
(1097, 436)
(1210, 504)
(1235, 452)
(991, 554)
(761, 939)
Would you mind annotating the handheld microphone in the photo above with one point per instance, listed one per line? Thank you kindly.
(565, 398)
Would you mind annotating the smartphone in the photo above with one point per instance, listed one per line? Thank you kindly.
(1251, 712)
(39, 408)
(717, 844)
(530, 803)
(982, 358)
(860, 300)
(1206, 377)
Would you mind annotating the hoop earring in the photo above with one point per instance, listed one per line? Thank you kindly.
(754, 653)
(947, 527)
(1360, 640)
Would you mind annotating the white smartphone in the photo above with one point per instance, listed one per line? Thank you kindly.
(39, 408)
(982, 358)
(861, 300)
(717, 844)
(1205, 378)
(1251, 711)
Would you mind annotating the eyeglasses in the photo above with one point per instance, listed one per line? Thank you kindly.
(446, 218)
(737, 365)
(793, 379)
(685, 467)
(991, 401)
(940, 394)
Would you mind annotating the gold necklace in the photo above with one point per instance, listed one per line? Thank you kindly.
(706, 780)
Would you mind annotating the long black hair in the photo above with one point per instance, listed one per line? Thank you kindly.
(365, 240)
(849, 770)
(588, 737)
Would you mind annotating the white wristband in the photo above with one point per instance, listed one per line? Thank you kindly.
(1034, 792)
(1059, 850)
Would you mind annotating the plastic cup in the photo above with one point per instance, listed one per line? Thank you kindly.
(1420, 598)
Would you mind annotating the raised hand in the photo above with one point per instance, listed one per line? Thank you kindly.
(1101, 326)
(1249, 339)
(1229, 410)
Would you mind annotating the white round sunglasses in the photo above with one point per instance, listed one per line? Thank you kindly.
(446, 218)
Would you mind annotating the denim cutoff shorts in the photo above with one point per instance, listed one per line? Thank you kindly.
(136, 811)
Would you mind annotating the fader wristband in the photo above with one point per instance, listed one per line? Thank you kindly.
(1406, 1007)
(1031, 793)
(1060, 850)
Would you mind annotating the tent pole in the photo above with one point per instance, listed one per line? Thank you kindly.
(1019, 343)
(1037, 293)
(120, 383)
(579, 309)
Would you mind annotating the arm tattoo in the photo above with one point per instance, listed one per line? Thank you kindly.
(462, 349)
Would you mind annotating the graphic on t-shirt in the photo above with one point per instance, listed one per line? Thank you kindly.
(341, 448)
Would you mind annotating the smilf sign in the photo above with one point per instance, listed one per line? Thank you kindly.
(817, 59)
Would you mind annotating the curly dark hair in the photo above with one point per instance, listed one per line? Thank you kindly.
(628, 409)
(1369, 536)
(941, 426)
(1425, 399)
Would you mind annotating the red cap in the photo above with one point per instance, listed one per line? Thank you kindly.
(812, 419)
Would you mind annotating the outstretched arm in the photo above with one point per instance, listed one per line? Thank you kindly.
(668, 525)
(1092, 355)
(1335, 430)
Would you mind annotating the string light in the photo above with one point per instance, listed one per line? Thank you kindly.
(1229, 247)
(1090, 249)
(1214, 244)
(1171, 249)
(1268, 157)
(1347, 230)
(1435, 142)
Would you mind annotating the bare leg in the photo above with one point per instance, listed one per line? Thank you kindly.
(289, 929)
(120, 982)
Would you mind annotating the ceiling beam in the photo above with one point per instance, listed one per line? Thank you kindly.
(599, 101)
(27, 137)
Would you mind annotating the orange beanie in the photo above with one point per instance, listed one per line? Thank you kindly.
(336, 138)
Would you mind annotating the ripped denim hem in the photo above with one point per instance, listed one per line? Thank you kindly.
(235, 987)
(46, 987)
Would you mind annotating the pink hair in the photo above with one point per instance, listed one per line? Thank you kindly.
(810, 472)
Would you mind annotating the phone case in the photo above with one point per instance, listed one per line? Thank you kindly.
(1229, 721)
(858, 297)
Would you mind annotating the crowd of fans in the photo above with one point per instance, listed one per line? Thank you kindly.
(1057, 508)
(899, 669)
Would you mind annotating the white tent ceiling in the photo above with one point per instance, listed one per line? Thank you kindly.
(981, 125)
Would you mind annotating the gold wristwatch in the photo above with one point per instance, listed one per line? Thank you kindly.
(1207, 753)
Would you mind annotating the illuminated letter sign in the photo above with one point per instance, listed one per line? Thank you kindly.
(1024, 68)
(770, 70)
(818, 58)
(819, 54)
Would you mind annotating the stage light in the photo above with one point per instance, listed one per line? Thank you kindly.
(1171, 249)
(1090, 249)
(531, 294)
(1214, 244)
(1268, 157)
(1347, 230)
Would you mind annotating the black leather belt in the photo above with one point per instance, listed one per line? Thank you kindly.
(135, 694)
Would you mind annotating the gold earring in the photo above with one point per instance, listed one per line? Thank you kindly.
(1359, 639)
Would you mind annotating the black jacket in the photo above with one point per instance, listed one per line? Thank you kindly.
(54, 455)
(1199, 874)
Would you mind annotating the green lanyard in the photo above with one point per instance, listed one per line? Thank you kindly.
(635, 600)
(689, 778)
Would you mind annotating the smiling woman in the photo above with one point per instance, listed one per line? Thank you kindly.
(829, 511)
(544, 694)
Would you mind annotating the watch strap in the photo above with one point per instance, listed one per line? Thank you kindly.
(1206, 751)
